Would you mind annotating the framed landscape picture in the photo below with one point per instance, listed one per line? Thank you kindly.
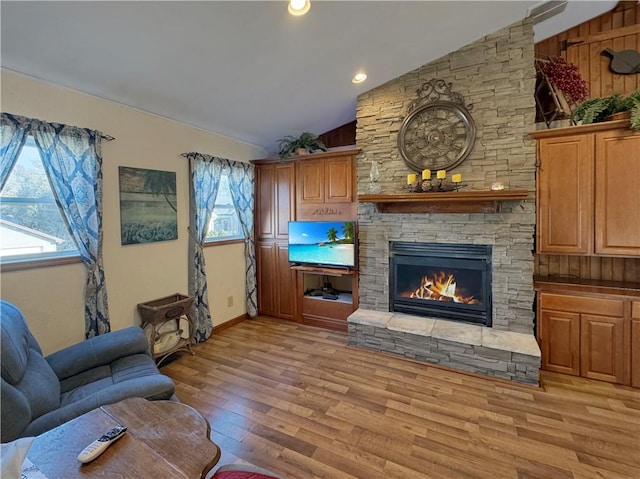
(148, 206)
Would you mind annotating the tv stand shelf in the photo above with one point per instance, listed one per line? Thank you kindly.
(324, 270)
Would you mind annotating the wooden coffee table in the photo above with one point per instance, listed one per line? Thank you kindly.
(164, 439)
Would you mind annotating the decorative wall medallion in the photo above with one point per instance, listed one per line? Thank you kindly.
(438, 132)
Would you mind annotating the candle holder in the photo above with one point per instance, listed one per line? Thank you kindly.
(434, 186)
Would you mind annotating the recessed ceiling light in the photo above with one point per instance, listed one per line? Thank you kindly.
(299, 7)
(359, 78)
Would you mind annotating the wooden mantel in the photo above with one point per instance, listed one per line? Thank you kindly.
(449, 202)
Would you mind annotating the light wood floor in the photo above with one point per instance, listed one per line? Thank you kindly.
(297, 400)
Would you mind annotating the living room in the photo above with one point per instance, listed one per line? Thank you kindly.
(143, 272)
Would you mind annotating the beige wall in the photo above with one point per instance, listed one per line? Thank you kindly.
(52, 298)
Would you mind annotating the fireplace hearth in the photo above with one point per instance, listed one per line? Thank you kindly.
(448, 281)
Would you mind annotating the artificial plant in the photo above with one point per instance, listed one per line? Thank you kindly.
(310, 142)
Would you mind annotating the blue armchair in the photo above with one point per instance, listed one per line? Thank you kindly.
(39, 393)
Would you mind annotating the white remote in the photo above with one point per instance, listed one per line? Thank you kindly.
(97, 447)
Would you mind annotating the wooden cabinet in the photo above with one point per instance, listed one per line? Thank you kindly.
(635, 344)
(275, 207)
(617, 210)
(276, 281)
(325, 180)
(316, 187)
(587, 336)
(565, 195)
(588, 199)
(325, 186)
(275, 200)
(560, 342)
(328, 313)
(603, 355)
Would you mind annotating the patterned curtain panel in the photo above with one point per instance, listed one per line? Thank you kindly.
(242, 186)
(13, 130)
(205, 179)
(73, 162)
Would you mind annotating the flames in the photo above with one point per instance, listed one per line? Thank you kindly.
(440, 287)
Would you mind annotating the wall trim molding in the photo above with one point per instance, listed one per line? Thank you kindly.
(232, 322)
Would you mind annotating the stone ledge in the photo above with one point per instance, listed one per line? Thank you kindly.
(478, 349)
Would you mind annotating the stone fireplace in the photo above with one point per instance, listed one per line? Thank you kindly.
(496, 75)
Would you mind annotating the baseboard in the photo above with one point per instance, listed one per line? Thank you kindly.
(232, 322)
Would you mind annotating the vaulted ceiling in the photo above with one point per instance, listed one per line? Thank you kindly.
(248, 70)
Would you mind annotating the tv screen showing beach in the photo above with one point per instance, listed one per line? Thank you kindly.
(322, 242)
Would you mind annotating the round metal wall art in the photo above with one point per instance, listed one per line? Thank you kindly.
(437, 136)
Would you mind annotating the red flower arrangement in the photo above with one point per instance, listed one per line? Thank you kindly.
(565, 76)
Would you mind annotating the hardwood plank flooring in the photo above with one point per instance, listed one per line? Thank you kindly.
(295, 399)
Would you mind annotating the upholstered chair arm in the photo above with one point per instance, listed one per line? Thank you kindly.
(98, 351)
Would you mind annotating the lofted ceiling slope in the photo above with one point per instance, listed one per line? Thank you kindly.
(247, 70)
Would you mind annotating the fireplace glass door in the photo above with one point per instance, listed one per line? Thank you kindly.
(443, 281)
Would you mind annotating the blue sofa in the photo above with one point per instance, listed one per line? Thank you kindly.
(39, 393)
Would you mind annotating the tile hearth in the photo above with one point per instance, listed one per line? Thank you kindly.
(478, 349)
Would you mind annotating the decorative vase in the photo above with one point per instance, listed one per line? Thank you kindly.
(374, 174)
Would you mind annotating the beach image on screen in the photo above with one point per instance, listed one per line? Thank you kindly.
(330, 243)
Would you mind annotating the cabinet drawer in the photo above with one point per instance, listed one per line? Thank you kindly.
(581, 304)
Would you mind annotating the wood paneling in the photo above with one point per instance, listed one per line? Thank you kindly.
(344, 135)
(284, 190)
(618, 30)
(297, 400)
(588, 267)
(624, 14)
(286, 284)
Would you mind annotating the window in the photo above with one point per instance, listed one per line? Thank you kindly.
(224, 224)
(31, 225)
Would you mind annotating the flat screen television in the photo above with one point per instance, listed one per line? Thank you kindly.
(322, 243)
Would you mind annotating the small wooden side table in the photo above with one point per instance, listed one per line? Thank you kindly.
(163, 439)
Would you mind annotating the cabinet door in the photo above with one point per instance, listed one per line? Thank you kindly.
(265, 211)
(635, 344)
(560, 342)
(310, 181)
(603, 354)
(565, 195)
(339, 180)
(285, 284)
(284, 200)
(266, 275)
(617, 200)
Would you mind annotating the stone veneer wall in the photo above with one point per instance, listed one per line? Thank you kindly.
(496, 75)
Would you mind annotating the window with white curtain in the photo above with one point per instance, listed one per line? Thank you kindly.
(31, 225)
(224, 223)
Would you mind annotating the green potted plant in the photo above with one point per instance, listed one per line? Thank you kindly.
(595, 110)
(309, 142)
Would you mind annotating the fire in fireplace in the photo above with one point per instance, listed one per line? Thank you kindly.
(444, 281)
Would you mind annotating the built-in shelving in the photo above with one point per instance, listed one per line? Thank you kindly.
(488, 201)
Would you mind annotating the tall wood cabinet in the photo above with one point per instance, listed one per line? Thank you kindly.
(275, 207)
(315, 187)
(588, 197)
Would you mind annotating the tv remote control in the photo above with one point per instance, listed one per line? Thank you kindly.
(98, 446)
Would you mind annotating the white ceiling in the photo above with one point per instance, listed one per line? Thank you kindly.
(248, 70)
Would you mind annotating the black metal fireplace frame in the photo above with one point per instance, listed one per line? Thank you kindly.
(468, 256)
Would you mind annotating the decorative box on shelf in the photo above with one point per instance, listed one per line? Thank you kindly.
(161, 320)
